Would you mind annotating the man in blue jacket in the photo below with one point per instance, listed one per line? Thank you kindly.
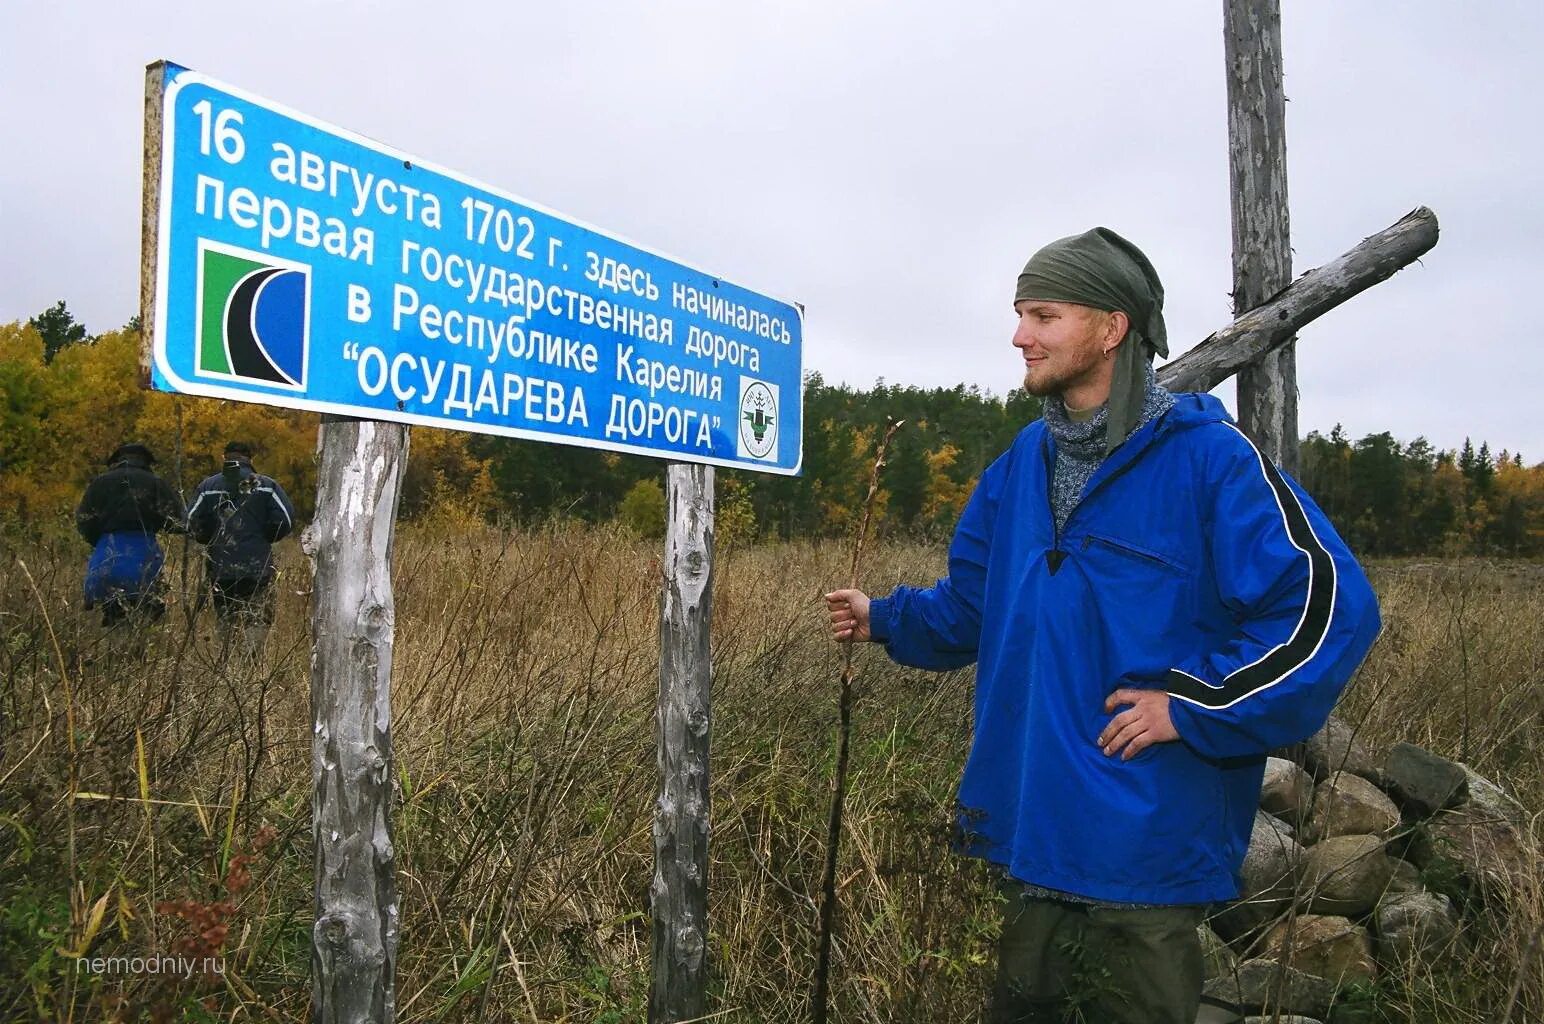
(238, 515)
(1152, 605)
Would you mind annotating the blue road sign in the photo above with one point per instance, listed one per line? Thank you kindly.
(300, 265)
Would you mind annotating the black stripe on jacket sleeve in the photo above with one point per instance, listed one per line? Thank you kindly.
(1312, 625)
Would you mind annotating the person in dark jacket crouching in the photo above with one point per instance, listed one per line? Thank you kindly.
(238, 515)
(119, 515)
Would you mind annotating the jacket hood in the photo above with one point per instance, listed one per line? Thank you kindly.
(1195, 408)
(1190, 409)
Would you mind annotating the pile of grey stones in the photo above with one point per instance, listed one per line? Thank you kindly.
(1339, 878)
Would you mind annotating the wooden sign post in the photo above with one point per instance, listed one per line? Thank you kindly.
(678, 896)
(353, 618)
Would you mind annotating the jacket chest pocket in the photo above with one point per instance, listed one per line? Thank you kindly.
(1138, 557)
(1143, 600)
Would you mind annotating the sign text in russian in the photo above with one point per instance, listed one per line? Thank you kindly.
(297, 264)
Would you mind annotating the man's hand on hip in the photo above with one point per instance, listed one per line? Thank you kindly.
(849, 616)
(1134, 730)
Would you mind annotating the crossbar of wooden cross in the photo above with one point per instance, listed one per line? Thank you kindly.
(1271, 325)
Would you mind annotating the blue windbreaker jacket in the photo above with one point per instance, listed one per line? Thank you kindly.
(123, 564)
(1192, 564)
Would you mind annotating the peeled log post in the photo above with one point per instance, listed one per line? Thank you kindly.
(354, 940)
(678, 897)
(150, 215)
(1319, 290)
(1262, 252)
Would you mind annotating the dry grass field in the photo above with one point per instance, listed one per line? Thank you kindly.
(524, 686)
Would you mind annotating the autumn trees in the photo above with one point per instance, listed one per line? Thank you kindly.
(69, 398)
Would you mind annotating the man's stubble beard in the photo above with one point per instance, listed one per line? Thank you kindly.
(1060, 383)
(1030, 387)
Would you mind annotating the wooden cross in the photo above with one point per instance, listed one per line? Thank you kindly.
(1262, 252)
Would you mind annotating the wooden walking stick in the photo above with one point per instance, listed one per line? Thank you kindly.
(839, 784)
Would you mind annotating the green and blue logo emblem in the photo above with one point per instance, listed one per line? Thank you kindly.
(757, 436)
(254, 317)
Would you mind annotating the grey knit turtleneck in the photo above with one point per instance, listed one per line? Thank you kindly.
(1080, 446)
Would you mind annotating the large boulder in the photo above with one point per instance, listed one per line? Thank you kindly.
(1259, 983)
(1346, 875)
(1349, 805)
(1328, 947)
(1414, 926)
(1336, 748)
(1287, 791)
(1487, 851)
(1270, 873)
(1483, 839)
(1486, 796)
(1424, 782)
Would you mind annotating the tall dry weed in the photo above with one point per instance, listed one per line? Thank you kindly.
(526, 665)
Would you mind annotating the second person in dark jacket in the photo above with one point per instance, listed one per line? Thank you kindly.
(238, 514)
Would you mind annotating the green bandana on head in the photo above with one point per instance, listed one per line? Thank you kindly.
(1101, 269)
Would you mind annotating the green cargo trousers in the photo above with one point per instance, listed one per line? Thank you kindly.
(1064, 962)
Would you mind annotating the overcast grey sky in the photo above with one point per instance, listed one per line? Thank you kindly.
(890, 165)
